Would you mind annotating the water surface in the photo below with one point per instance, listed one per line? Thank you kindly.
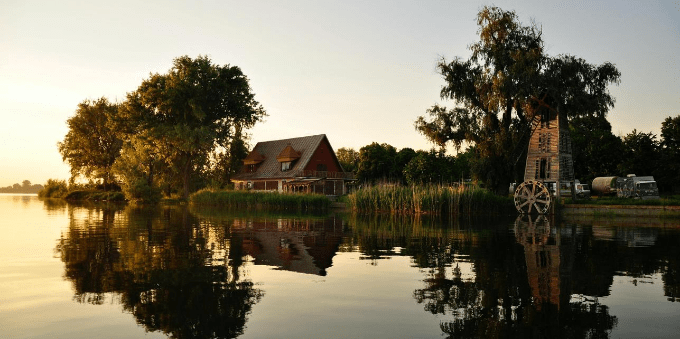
(106, 270)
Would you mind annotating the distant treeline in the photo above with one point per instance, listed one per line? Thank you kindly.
(25, 187)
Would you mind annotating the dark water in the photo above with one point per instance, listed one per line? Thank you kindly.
(110, 271)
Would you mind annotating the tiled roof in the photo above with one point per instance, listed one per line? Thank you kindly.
(270, 168)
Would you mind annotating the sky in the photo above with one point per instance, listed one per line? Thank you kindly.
(357, 71)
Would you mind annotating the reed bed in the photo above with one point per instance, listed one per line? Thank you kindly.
(429, 199)
(271, 201)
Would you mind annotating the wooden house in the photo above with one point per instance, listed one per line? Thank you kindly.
(305, 164)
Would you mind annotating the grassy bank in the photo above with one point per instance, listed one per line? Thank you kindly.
(59, 189)
(272, 201)
(430, 199)
(94, 195)
(665, 201)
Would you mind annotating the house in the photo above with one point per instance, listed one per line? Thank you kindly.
(305, 164)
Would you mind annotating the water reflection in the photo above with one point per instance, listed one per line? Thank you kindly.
(183, 271)
(166, 268)
(533, 280)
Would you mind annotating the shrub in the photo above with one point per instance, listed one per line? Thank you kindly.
(54, 189)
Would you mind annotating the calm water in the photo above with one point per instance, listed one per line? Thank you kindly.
(69, 271)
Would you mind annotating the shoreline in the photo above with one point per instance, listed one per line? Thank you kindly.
(620, 210)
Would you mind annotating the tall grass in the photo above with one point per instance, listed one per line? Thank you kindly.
(272, 201)
(429, 199)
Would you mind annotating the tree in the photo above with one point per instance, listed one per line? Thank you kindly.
(436, 167)
(190, 111)
(228, 161)
(136, 167)
(376, 162)
(640, 153)
(507, 81)
(669, 171)
(597, 152)
(92, 143)
(348, 158)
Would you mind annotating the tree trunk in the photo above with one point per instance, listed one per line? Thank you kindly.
(185, 178)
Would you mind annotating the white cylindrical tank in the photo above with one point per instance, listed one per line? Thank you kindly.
(604, 185)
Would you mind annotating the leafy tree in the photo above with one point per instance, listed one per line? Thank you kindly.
(348, 158)
(228, 161)
(436, 167)
(377, 162)
(669, 171)
(190, 111)
(640, 153)
(136, 167)
(92, 143)
(507, 81)
(597, 151)
(403, 157)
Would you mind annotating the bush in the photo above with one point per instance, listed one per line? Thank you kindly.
(54, 189)
(140, 191)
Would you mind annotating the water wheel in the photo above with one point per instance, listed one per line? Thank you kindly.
(532, 196)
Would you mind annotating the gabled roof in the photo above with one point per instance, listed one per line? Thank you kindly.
(288, 154)
(253, 158)
(270, 167)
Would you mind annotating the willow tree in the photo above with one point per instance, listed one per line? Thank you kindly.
(189, 112)
(507, 80)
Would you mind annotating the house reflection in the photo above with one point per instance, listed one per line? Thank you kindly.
(296, 245)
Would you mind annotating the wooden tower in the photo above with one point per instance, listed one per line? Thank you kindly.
(549, 162)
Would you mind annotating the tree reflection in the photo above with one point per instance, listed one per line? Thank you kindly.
(497, 284)
(172, 273)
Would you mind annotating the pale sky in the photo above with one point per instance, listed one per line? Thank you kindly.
(357, 71)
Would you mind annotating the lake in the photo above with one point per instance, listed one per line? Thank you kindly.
(115, 271)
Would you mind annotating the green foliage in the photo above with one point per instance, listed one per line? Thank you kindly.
(430, 199)
(272, 201)
(227, 161)
(136, 167)
(92, 143)
(596, 151)
(436, 168)
(668, 169)
(508, 80)
(348, 158)
(377, 162)
(54, 189)
(186, 114)
(94, 195)
(640, 154)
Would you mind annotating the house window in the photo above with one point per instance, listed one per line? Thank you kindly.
(285, 166)
(321, 167)
(251, 168)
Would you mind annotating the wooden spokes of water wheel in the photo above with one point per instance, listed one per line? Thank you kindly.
(532, 196)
